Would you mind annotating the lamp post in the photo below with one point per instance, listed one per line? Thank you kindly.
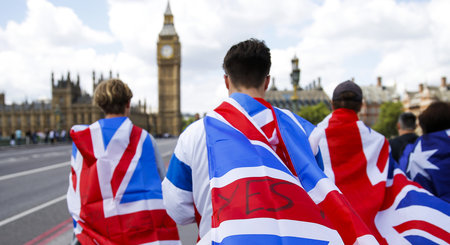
(295, 77)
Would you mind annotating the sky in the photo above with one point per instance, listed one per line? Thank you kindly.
(406, 42)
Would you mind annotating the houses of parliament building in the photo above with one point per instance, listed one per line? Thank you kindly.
(69, 105)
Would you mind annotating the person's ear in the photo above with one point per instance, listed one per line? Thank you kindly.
(227, 81)
(266, 82)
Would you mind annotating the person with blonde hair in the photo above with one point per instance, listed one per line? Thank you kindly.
(115, 194)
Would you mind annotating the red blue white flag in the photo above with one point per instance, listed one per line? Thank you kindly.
(257, 197)
(396, 209)
(115, 193)
(427, 162)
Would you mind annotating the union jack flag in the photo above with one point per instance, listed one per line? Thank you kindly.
(257, 197)
(115, 193)
(396, 209)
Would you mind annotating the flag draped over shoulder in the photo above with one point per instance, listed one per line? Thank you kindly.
(427, 162)
(396, 210)
(115, 193)
(257, 198)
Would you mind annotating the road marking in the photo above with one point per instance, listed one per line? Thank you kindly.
(32, 210)
(16, 158)
(33, 171)
(53, 233)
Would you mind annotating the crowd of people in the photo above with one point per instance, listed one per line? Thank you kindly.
(250, 173)
(47, 137)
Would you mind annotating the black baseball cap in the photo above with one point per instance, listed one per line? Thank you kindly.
(347, 86)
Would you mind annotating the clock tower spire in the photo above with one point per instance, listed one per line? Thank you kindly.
(169, 63)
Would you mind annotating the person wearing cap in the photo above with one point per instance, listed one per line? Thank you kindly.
(357, 158)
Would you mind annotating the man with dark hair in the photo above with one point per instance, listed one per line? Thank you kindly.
(246, 173)
(406, 126)
(248, 64)
(427, 161)
(357, 158)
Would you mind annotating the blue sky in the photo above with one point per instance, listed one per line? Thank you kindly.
(405, 42)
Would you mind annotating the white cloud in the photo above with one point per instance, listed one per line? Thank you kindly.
(405, 42)
(49, 39)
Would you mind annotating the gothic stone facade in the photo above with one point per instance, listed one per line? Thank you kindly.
(68, 106)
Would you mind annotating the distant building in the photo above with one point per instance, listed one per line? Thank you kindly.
(373, 97)
(416, 102)
(298, 97)
(69, 106)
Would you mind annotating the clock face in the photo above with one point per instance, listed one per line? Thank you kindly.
(166, 51)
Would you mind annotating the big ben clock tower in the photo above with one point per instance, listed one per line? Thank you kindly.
(169, 61)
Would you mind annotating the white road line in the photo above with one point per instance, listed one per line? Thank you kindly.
(32, 210)
(33, 171)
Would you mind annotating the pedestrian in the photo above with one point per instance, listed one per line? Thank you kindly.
(114, 194)
(63, 135)
(12, 141)
(51, 136)
(356, 157)
(427, 161)
(34, 137)
(246, 173)
(406, 127)
(27, 137)
(47, 132)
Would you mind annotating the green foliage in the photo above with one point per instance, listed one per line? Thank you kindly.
(186, 122)
(387, 119)
(314, 113)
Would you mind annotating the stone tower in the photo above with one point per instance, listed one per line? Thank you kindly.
(169, 61)
(65, 92)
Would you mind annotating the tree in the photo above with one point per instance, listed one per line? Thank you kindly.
(314, 113)
(186, 121)
(387, 119)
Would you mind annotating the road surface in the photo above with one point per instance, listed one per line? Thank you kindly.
(33, 184)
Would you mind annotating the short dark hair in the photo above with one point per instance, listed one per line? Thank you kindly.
(435, 118)
(247, 63)
(347, 100)
(112, 96)
(407, 121)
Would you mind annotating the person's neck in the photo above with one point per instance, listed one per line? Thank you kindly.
(253, 92)
(114, 115)
(405, 131)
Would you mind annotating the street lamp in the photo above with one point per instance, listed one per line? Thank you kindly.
(295, 77)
